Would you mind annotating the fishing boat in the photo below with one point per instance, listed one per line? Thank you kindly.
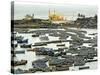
(34, 49)
(60, 44)
(35, 35)
(22, 41)
(18, 52)
(85, 67)
(17, 63)
(25, 46)
(44, 38)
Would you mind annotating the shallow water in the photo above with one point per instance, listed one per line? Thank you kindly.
(30, 56)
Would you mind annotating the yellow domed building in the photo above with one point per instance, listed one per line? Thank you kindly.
(54, 17)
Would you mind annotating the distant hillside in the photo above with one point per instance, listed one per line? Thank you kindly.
(90, 22)
(83, 22)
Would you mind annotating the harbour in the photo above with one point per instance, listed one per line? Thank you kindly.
(31, 56)
(45, 39)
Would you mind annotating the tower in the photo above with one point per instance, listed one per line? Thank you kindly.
(32, 16)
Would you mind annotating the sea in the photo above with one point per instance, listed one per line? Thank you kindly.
(31, 56)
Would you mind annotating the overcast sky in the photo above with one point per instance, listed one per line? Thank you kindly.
(41, 10)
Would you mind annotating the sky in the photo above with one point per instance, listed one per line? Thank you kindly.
(40, 10)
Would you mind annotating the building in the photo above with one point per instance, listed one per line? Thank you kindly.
(54, 17)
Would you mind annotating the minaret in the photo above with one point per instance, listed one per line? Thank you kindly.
(49, 11)
(54, 12)
(49, 14)
(32, 16)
